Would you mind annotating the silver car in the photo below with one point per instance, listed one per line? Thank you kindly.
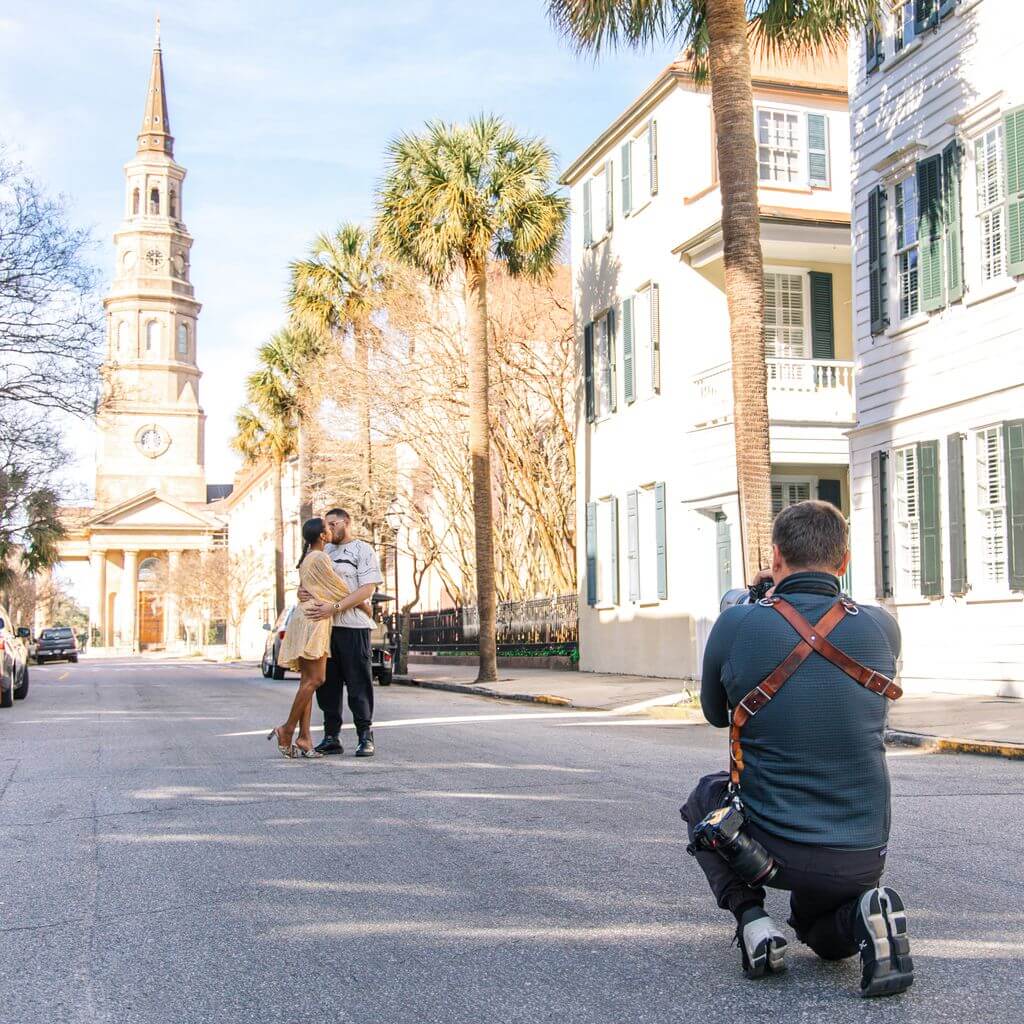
(13, 661)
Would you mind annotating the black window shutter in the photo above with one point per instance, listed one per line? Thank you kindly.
(588, 369)
(880, 496)
(957, 515)
(823, 334)
(876, 261)
(1013, 454)
(929, 518)
(832, 492)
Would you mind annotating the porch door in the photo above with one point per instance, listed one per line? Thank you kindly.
(151, 619)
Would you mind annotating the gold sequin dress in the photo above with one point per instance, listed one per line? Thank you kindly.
(306, 638)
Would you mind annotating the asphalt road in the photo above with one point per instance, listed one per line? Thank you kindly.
(494, 863)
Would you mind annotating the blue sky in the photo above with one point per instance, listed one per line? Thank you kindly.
(280, 112)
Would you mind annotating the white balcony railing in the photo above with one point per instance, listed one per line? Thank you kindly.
(799, 391)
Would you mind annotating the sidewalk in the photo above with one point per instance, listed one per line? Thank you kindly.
(984, 725)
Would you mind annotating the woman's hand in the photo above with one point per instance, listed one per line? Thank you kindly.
(303, 595)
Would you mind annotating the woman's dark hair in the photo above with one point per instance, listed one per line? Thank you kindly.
(311, 530)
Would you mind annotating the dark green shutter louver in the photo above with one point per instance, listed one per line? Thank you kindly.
(951, 162)
(627, 185)
(633, 543)
(929, 232)
(591, 553)
(926, 15)
(588, 370)
(609, 365)
(817, 149)
(652, 142)
(957, 515)
(883, 548)
(878, 282)
(588, 207)
(628, 372)
(655, 340)
(614, 554)
(609, 197)
(929, 518)
(1013, 131)
(823, 336)
(660, 540)
(1013, 457)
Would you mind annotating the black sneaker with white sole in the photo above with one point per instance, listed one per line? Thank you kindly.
(762, 945)
(881, 931)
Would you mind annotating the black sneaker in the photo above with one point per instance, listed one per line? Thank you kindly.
(329, 745)
(366, 747)
(880, 927)
(762, 945)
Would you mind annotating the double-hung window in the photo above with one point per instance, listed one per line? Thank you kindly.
(646, 533)
(604, 366)
(990, 173)
(903, 18)
(602, 540)
(779, 152)
(639, 164)
(785, 316)
(789, 492)
(597, 205)
(907, 246)
(907, 523)
(641, 356)
(991, 504)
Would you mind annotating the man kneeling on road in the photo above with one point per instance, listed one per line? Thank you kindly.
(805, 806)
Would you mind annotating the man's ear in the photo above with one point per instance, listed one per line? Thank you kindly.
(778, 564)
(844, 565)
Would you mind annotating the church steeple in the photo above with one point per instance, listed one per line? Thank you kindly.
(156, 126)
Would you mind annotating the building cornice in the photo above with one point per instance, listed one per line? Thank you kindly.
(770, 215)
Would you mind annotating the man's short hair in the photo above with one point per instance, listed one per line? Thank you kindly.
(811, 534)
(339, 512)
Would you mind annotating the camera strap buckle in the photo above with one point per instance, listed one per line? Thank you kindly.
(757, 698)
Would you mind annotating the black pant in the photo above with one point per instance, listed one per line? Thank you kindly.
(824, 883)
(349, 666)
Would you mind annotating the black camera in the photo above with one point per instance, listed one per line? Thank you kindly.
(746, 595)
(722, 831)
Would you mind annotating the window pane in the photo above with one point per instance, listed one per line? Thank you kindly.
(606, 589)
(640, 167)
(907, 524)
(992, 504)
(779, 151)
(785, 336)
(990, 174)
(648, 545)
(642, 356)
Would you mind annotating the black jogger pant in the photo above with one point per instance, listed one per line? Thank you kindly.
(824, 884)
(349, 667)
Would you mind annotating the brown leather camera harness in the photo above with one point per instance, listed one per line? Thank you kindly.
(813, 639)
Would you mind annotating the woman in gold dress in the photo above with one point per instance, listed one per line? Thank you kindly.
(306, 642)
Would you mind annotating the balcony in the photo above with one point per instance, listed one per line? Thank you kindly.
(799, 391)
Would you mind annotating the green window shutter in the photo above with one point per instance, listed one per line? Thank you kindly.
(872, 49)
(883, 534)
(1013, 130)
(628, 386)
(926, 15)
(832, 492)
(588, 370)
(957, 515)
(609, 196)
(1013, 455)
(592, 553)
(947, 7)
(655, 340)
(929, 232)
(627, 186)
(877, 276)
(633, 543)
(660, 535)
(951, 163)
(614, 554)
(929, 518)
(611, 377)
(823, 334)
(652, 142)
(588, 206)
(817, 149)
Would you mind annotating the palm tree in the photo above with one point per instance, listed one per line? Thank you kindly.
(262, 434)
(719, 35)
(337, 290)
(453, 198)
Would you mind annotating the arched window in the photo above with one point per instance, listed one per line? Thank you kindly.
(152, 336)
(135, 202)
(154, 200)
(182, 339)
(123, 337)
(150, 574)
(172, 209)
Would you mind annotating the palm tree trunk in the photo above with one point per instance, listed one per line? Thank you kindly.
(305, 491)
(362, 353)
(278, 540)
(480, 456)
(733, 103)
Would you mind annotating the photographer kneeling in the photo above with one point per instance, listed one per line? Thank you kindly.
(805, 806)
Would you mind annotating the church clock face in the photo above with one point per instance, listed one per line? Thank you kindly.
(154, 259)
(152, 440)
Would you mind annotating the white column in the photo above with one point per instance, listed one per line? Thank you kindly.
(172, 623)
(98, 561)
(130, 592)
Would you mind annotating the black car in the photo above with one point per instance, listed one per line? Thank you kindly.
(382, 649)
(58, 643)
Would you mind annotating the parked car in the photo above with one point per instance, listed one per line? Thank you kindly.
(57, 643)
(13, 661)
(382, 649)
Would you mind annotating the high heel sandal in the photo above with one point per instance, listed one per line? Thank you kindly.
(310, 754)
(284, 751)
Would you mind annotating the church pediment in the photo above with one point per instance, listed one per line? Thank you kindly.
(152, 510)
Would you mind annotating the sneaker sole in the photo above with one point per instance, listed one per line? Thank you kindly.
(768, 958)
(893, 969)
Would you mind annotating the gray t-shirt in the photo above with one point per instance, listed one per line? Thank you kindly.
(356, 563)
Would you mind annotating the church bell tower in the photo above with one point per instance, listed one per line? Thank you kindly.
(151, 426)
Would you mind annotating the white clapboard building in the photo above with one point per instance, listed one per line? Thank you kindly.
(656, 469)
(938, 452)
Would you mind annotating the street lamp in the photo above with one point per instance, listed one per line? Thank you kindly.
(393, 519)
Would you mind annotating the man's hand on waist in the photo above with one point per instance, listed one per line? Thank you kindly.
(318, 610)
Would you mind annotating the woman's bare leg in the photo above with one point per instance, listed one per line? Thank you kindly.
(303, 696)
(313, 675)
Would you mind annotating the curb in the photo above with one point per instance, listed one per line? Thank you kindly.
(951, 745)
(483, 691)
